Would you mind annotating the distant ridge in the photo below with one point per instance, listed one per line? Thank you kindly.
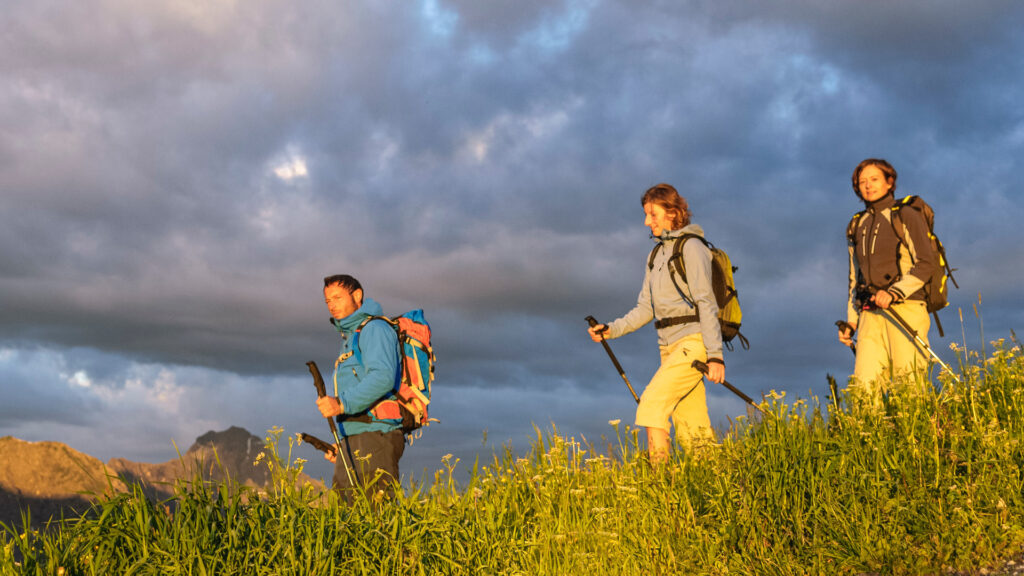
(51, 479)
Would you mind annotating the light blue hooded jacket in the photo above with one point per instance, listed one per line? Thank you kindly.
(659, 298)
(360, 384)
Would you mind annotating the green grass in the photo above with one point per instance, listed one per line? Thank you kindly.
(929, 483)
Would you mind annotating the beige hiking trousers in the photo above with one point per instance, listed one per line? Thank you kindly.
(886, 351)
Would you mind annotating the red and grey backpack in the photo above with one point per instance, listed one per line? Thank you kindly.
(410, 397)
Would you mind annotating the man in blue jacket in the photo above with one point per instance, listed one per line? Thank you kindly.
(371, 443)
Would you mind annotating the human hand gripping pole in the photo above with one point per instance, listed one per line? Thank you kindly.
(593, 324)
(703, 369)
(321, 391)
(845, 326)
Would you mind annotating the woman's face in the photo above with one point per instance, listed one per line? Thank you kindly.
(657, 219)
(873, 184)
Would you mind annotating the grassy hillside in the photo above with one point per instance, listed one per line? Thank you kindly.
(929, 483)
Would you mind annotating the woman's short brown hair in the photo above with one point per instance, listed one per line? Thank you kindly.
(885, 167)
(667, 197)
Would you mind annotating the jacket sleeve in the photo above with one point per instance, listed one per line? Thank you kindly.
(697, 260)
(640, 315)
(378, 348)
(852, 312)
(920, 250)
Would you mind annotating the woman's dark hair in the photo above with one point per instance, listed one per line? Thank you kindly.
(345, 281)
(667, 197)
(885, 167)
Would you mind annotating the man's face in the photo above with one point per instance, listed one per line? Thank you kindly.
(340, 302)
(873, 183)
(657, 219)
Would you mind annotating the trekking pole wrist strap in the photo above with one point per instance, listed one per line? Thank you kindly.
(716, 361)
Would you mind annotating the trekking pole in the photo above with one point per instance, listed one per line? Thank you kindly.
(703, 369)
(318, 443)
(590, 320)
(847, 327)
(920, 341)
(321, 391)
(834, 389)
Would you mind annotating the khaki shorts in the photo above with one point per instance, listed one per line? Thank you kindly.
(675, 395)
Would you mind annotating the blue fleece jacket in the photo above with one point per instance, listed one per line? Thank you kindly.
(659, 298)
(360, 382)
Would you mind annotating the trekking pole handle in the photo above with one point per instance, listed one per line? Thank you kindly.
(321, 391)
(845, 326)
(317, 443)
(318, 379)
(703, 369)
(700, 366)
(594, 324)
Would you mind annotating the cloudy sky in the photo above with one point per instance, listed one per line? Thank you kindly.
(177, 177)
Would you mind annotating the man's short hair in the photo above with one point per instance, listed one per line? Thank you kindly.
(345, 281)
(885, 167)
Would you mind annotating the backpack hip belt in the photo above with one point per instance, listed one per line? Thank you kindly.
(675, 320)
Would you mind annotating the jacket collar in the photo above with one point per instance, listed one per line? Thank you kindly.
(674, 234)
(349, 323)
(882, 203)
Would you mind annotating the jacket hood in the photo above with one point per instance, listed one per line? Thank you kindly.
(688, 229)
(351, 322)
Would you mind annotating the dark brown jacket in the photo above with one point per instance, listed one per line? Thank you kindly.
(882, 259)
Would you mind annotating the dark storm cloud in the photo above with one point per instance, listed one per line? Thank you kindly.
(177, 178)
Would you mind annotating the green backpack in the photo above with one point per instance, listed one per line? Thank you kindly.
(722, 284)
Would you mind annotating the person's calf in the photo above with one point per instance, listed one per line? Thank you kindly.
(657, 446)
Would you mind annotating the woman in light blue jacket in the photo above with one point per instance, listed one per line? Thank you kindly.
(685, 314)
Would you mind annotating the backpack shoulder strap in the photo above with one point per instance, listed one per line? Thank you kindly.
(654, 252)
(687, 236)
(898, 222)
(896, 216)
(355, 336)
(851, 228)
(677, 251)
(677, 264)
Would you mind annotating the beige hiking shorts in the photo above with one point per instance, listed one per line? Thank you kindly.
(676, 395)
